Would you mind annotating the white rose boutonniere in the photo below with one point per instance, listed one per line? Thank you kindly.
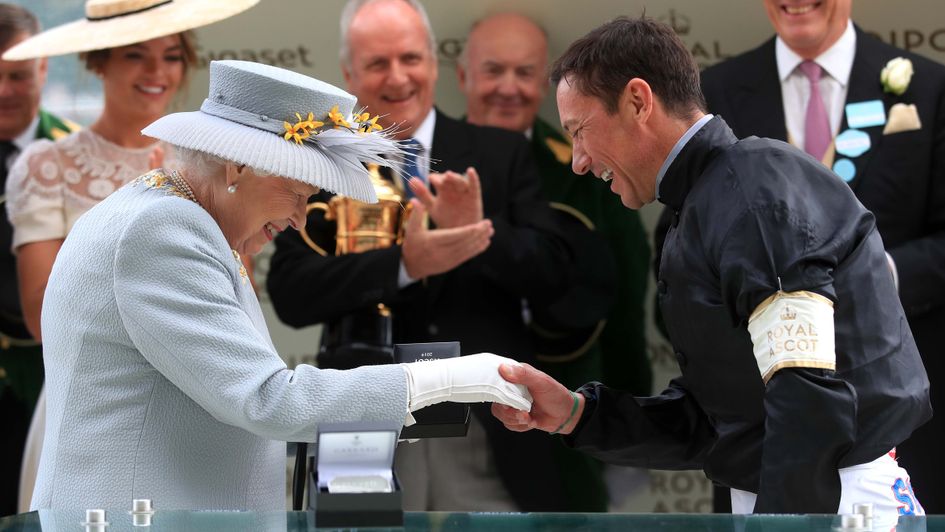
(896, 76)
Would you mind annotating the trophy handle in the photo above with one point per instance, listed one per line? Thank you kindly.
(304, 232)
(408, 210)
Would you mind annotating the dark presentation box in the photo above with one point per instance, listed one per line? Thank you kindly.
(443, 420)
(352, 452)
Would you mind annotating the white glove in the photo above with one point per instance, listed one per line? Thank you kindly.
(468, 379)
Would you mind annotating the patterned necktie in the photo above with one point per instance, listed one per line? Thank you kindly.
(412, 150)
(816, 124)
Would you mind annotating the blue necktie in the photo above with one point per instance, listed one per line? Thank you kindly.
(412, 149)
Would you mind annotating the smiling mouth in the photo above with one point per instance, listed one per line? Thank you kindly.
(402, 99)
(606, 175)
(800, 10)
(270, 230)
(151, 89)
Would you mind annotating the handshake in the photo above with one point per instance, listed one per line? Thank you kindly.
(468, 379)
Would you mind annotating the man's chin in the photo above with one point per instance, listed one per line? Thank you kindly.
(505, 119)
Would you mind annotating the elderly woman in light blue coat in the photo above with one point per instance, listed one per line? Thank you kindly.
(163, 382)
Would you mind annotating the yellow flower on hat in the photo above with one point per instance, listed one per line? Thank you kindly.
(366, 124)
(302, 129)
(335, 116)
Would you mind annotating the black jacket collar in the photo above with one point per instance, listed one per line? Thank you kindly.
(692, 161)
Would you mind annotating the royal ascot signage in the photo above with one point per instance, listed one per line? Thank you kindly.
(914, 40)
(291, 57)
(705, 52)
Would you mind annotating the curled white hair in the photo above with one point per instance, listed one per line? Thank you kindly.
(351, 9)
(199, 162)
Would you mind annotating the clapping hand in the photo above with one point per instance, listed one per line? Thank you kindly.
(458, 198)
(427, 252)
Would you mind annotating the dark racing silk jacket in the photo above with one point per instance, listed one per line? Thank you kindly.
(752, 218)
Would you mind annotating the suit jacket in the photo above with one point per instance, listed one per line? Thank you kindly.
(477, 303)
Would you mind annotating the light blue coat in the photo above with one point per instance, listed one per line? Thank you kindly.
(161, 379)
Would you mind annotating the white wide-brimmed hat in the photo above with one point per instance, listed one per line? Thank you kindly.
(286, 124)
(113, 23)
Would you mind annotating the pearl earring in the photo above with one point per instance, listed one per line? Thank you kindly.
(231, 189)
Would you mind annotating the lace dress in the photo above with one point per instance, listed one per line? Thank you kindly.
(50, 186)
(53, 183)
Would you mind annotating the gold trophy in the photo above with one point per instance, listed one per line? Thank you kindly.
(364, 337)
(364, 226)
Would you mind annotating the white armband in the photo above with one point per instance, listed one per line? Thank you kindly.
(793, 330)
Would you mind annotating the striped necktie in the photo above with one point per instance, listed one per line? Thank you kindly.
(412, 150)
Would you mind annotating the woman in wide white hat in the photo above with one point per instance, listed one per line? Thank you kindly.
(163, 382)
(142, 50)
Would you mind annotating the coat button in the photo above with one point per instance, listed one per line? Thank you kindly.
(661, 287)
(433, 329)
(681, 358)
(675, 218)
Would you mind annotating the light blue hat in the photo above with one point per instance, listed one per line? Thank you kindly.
(284, 123)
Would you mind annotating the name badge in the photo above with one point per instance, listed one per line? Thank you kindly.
(866, 114)
(852, 143)
(845, 169)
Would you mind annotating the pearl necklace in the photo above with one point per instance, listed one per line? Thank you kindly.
(181, 185)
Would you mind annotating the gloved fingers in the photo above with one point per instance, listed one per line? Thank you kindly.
(512, 395)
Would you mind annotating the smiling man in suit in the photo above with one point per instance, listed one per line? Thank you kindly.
(887, 143)
(492, 244)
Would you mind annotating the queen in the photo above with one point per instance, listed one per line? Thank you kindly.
(163, 382)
